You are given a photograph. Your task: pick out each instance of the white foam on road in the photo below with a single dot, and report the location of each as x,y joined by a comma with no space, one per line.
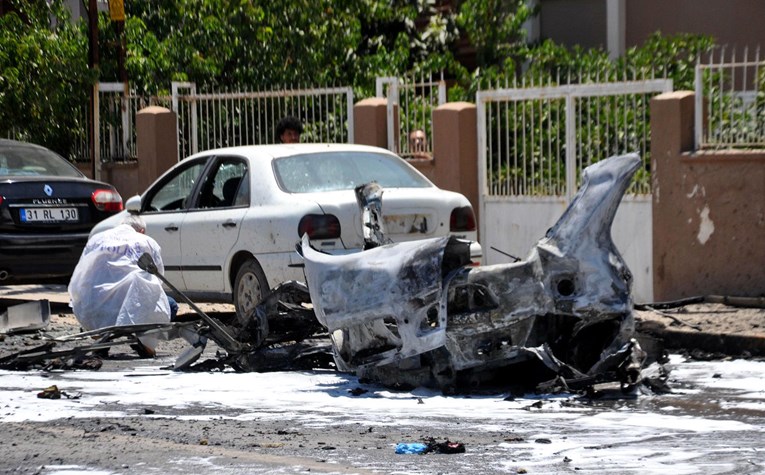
634,434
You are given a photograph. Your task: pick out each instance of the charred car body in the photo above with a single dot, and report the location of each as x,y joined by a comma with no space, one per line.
415,314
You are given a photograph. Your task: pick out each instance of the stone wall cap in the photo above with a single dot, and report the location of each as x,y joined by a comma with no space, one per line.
458,106
154,110
372,101
674,95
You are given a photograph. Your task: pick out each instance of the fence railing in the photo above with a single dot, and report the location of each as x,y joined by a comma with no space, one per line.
214,120
535,141
730,100
411,102
116,119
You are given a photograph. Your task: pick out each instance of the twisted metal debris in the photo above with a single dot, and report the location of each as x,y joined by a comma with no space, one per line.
416,314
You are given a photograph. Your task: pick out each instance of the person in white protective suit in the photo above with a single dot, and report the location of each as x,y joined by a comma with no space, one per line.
108,288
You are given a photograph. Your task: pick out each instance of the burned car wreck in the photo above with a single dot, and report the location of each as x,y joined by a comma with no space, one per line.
415,314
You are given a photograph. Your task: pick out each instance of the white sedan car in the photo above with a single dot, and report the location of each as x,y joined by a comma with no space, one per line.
228,219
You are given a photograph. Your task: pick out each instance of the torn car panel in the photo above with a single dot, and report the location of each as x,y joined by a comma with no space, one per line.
363,296
415,313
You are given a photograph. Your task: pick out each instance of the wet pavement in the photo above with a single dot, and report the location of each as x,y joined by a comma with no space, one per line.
134,416
712,422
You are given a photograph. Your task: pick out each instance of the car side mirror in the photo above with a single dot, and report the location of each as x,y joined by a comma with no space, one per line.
133,204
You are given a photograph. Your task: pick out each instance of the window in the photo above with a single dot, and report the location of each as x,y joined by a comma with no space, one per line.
223,186
173,193
331,171
20,159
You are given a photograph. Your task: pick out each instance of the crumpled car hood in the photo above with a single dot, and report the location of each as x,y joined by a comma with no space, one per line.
415,314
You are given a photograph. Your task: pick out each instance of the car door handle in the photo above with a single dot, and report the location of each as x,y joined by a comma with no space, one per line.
229,224
171,227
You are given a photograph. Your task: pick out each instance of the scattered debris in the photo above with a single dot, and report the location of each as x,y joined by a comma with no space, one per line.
282,334
411,448
446,447
25,317
52,392
674,319
276,336
430,446
48,356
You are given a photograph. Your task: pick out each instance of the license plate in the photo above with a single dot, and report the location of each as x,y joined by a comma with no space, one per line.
406,223
49,215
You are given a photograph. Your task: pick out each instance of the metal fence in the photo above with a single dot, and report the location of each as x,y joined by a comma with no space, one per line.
730,100
411,101
217,119
116,119
536,140
224,119
78,149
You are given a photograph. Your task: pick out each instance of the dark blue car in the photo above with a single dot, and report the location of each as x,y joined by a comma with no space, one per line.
47,209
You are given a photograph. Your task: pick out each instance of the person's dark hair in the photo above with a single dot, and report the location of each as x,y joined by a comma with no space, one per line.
288,123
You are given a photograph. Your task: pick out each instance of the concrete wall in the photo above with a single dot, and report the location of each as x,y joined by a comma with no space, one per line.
708,210
125,177
730,22
156,143
574,22
584,22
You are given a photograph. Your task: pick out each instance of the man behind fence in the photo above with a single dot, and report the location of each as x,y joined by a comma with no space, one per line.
418,144
288,130
108,288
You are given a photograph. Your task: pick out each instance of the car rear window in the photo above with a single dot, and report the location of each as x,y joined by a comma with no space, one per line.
24,160
331,171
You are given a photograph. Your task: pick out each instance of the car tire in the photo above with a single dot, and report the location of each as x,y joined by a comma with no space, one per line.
250,288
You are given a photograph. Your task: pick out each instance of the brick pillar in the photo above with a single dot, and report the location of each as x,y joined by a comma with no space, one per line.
671,135
455,150
369,124
708,210
156,143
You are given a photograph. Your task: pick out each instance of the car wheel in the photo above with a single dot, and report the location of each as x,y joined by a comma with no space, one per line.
250,287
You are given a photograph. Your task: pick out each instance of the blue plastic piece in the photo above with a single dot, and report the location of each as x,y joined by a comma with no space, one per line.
410,448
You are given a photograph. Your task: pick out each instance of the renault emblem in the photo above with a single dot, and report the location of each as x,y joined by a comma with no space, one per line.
48,190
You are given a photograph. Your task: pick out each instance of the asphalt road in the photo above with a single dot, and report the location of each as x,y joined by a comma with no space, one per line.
134,416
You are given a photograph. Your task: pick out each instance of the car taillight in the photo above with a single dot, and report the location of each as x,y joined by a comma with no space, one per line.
462,219
319,226
1,200
107,200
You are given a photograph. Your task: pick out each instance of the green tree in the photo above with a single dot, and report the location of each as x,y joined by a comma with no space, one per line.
495,29
45,75
243,43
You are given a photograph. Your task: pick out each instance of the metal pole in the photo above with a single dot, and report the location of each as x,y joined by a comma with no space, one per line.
93,64
570,148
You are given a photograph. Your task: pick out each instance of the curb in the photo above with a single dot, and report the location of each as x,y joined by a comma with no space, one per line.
724,343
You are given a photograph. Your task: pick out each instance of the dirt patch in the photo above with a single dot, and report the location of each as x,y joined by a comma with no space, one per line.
708,327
